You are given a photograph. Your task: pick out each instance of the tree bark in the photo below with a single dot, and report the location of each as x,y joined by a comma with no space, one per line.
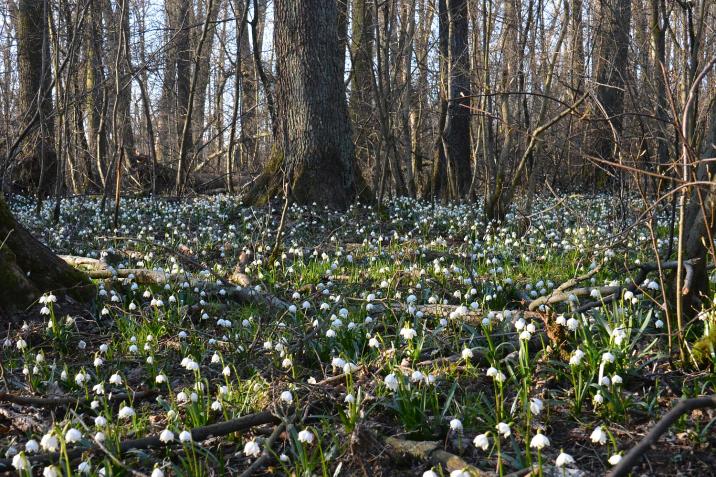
456,134
611,55
28,268
37,161
313,144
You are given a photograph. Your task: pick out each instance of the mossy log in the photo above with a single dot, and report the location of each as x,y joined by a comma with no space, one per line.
28,268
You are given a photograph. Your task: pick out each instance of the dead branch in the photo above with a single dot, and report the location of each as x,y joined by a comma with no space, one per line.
199,434
430,451
69,401
682,407
609,293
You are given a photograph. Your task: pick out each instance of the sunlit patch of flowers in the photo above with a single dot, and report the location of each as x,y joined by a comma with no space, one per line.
416,320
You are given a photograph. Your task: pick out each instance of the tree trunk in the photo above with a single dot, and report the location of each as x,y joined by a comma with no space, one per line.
361,104
611,55
456,134
28,268
313,143
37,161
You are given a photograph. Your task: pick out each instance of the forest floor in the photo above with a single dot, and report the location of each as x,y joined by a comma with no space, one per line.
399,342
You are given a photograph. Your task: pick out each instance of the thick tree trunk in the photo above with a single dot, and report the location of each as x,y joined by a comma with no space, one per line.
28,268
313,144
37,161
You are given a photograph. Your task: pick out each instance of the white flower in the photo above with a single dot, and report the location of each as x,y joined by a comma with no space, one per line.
287,397
504,429
615,459
481,442
561,320
306,436
166,436
456,425
115,379
459,473
408,333
536,406
659,324
80,378
467,353
21,344
73,435
598,436
616,379
564,459
608,357
618,334
161,378
391,382
100,437
157,472
539,441
126,413
185,436
338,362
252,449
576,358
20,462
430,473
417,376
84,468
598,399
572,324
100,421
32,446
49,442
216,406
51,471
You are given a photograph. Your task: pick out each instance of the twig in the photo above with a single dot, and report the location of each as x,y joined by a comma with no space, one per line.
682,407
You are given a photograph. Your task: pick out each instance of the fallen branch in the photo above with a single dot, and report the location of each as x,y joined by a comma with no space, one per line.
682,407
267,453
144,276
610,294
69,401
151,442
430,451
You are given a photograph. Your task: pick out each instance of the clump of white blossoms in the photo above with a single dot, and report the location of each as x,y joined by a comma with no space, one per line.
252,449
481,441
306,436
598,436
539,441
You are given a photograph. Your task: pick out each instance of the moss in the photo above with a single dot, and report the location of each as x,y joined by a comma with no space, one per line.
267,185
704,350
